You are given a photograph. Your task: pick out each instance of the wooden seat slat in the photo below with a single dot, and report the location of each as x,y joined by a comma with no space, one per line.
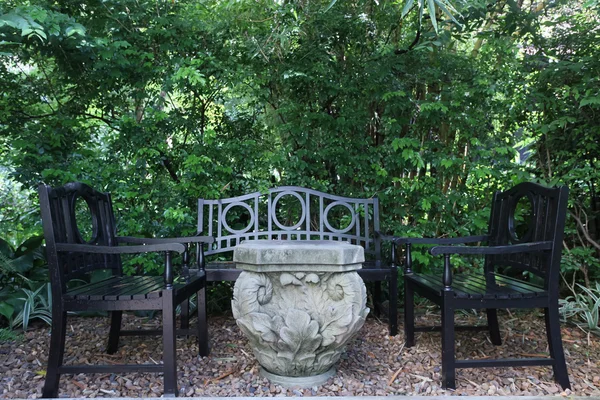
474,286
520,285
134,286
152,291
91,286
113,287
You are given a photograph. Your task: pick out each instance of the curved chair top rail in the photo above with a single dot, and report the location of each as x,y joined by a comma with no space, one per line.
59,219
542,219
314,219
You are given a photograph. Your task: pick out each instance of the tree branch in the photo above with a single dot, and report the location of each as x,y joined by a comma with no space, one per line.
412,45
585,232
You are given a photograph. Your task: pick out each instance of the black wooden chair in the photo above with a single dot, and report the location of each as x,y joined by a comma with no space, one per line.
71,257
530,244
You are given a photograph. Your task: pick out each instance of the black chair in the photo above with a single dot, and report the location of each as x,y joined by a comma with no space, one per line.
530,244
71,257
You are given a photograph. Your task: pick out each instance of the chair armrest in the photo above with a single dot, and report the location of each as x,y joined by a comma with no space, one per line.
200,260
387,238
88,248
441,241
190,239
509,249
166,247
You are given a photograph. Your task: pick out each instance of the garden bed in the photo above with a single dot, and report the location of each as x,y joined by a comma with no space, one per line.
374,364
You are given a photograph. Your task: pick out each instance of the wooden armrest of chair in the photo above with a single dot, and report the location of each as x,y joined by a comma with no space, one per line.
88,248
510,249
440,241
190,239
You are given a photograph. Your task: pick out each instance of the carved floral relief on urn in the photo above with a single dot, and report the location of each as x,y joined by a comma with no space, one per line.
299,317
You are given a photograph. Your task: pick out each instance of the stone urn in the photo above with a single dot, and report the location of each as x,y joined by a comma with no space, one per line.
299,303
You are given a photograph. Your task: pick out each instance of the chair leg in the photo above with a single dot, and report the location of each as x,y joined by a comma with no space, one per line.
57,351
448,362
203,347
393,303
377,298
556,348
115,330
185,314
494,328
169,344
409,314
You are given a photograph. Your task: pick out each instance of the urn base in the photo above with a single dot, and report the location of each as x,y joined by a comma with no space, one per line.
301,382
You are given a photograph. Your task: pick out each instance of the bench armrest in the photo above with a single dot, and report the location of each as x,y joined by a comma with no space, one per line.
509,249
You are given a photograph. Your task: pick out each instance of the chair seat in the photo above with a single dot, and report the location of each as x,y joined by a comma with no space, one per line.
118,288
474,287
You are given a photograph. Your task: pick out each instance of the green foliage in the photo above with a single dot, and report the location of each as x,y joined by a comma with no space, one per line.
163,103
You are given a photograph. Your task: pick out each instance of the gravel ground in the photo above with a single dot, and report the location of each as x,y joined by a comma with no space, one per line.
375,364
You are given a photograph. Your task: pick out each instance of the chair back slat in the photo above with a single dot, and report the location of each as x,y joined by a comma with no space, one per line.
59,218
290,213
543,220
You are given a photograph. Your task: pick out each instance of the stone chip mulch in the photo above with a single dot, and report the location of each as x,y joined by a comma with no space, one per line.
375,364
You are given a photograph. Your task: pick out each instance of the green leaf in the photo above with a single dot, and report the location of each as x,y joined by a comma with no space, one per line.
331,4
590,101
431,8
6,310
425,204
75,29
407,7
446,163
6,249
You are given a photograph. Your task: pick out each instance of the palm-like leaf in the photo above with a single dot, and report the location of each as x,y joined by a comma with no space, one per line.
447,8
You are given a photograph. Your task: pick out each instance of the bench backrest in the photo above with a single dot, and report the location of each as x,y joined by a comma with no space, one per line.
290,213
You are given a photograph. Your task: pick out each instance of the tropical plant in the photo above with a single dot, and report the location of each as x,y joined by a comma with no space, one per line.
36,305
582,307
23,279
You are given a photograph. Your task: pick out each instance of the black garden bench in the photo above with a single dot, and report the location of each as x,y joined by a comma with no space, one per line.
295,213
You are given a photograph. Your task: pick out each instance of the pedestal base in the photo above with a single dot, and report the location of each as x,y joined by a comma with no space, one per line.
298,382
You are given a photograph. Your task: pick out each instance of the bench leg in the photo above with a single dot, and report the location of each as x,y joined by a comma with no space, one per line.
448,362
57,351
203,347
555,346
169,344
494,328
114,332
409,314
